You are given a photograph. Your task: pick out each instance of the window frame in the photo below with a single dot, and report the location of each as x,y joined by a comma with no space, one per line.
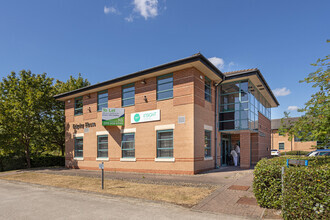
208,84
166,148
121,145
98,143
279,147
80,108
98,101
209,141
169,75
122,94
76,145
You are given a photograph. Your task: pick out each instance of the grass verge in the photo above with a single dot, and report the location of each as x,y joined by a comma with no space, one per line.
181,195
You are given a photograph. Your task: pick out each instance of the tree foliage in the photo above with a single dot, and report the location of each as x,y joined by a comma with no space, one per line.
31,120
315,123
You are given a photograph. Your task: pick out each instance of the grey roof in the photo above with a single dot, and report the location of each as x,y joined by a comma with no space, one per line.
237,72
276,123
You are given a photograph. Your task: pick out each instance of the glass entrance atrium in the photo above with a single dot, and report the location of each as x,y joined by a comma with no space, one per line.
239,104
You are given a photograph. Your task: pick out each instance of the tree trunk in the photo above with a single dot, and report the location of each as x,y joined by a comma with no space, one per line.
62,149
27,154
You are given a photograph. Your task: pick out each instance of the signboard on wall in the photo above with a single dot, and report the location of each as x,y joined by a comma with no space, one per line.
113,116
139,117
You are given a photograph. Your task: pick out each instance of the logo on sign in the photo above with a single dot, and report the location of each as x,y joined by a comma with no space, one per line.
136,117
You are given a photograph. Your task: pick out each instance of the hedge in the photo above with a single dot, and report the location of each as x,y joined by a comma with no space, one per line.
306,193
267,178
16,162
295,152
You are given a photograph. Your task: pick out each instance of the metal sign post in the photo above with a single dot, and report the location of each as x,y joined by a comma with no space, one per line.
101,166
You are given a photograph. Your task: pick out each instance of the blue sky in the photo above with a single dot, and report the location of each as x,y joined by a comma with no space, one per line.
110,38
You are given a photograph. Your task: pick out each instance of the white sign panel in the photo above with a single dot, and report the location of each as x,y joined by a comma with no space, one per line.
139,117
101,166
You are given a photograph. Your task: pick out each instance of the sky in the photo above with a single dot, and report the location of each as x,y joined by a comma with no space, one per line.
110,38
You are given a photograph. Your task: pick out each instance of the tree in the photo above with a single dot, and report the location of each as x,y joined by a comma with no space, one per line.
24,108
56,124
286,127
315,123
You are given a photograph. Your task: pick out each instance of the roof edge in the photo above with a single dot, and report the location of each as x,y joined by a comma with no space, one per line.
193,58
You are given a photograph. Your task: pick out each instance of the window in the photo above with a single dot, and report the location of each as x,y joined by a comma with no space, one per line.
165,144
207,89
78,106
207,144
78,147
102,146
165,87
102,100
281,146
128,145
128,95
280,134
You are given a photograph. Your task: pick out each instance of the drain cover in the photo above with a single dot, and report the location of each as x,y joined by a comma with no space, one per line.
247,201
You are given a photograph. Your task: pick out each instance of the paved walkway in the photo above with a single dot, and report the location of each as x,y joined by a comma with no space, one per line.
236,198
233,197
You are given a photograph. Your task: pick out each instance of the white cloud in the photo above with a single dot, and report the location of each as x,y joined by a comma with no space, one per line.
293,108
129,18
281,92
111,10
146,8
218,62
231,64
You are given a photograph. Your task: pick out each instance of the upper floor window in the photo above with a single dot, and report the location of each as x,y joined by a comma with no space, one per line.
128,145
78,106
102,100
128,95
207,89
165,87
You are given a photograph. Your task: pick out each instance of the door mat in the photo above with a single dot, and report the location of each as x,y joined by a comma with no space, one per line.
247,201
237,187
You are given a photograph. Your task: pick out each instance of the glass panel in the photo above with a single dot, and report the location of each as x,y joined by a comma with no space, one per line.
244,86
244,115
227,125
128,102
244,96
127,145
165,79
165,95
231,98
229,88
162,87
128,153
130,94
165,152
102,154
230,107
244,124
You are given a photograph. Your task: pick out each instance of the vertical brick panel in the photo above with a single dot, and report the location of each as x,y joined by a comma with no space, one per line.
245,140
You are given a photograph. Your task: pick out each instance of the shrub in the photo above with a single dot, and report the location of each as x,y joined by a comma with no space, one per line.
47,161
295,152
10,162
267,178
306,193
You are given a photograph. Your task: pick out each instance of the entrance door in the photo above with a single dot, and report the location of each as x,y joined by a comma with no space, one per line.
225,150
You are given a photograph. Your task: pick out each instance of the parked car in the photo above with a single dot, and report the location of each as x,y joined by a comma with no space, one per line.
275,153
320,152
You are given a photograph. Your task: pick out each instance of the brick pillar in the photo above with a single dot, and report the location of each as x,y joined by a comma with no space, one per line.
245,141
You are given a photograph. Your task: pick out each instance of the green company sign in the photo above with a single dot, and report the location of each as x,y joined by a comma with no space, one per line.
113,116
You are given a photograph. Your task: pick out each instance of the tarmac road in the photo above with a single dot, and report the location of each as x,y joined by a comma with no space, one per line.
29,201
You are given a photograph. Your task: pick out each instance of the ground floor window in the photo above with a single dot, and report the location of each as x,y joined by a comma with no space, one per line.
281,146
128,145
78,146
207,143
102,146
165,144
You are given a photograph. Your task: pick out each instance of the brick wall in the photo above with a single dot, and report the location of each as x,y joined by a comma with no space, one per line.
264,138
